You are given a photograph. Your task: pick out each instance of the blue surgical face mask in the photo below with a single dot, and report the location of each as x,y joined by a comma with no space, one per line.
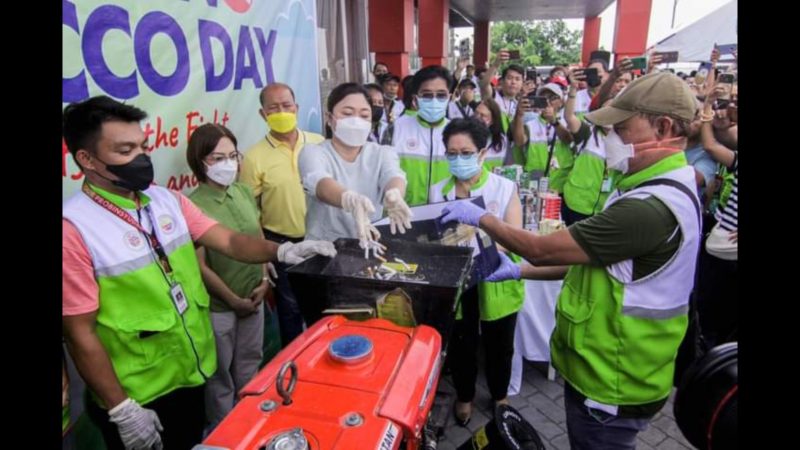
432,110
464,168
529,116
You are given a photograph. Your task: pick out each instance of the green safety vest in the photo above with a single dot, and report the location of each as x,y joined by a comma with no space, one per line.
538,154
422,156
583,190
615,338
153,349
496,299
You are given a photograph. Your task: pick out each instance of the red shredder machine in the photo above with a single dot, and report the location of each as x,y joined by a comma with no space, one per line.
355,384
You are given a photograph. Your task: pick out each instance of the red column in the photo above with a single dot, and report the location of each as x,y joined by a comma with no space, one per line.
591,38
481,44
630,32
391,32
434,22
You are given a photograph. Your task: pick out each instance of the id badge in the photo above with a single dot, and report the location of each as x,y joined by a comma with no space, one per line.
606,187
178,298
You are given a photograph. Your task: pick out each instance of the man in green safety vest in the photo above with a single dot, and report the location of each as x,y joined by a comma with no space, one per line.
134,308
622,312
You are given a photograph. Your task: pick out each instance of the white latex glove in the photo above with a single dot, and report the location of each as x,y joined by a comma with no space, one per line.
291,253
398,211
272,274
138,427
361,207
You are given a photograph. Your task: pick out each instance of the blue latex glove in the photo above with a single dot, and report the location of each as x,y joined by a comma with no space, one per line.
508,270
463,212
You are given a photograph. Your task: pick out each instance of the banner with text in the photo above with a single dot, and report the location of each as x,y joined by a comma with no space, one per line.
186,63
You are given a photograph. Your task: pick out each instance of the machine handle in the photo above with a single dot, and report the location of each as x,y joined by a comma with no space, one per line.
286,392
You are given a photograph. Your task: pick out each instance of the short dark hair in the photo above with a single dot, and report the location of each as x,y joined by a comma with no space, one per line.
470,66
515,68
374,87
471,126
83,121
388,77
602,62
379,63
465,83
343,90
202,142
408,91
428,73
261,94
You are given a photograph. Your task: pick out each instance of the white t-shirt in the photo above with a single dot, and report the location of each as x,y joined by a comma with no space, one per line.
367,175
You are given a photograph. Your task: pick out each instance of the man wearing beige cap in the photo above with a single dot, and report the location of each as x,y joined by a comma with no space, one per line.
622,312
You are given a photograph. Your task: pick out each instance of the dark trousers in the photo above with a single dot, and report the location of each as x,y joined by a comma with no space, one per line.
182,414
593,429
290,320
498,339
569,216
717,298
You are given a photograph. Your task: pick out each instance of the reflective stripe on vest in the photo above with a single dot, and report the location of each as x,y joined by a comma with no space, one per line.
422,156
616,338
153,349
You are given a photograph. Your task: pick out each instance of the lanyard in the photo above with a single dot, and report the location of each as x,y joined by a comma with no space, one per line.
124,216
507,105
550,147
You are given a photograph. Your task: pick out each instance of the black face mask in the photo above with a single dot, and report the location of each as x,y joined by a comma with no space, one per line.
377,113
135,175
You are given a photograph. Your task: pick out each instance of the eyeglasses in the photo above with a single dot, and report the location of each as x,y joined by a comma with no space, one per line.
437,96
454,156
217,158
552,98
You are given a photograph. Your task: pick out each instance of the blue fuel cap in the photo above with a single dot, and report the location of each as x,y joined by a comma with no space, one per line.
350,349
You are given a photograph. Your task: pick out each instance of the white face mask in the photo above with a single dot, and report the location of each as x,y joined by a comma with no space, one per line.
224,172
352,131
617,152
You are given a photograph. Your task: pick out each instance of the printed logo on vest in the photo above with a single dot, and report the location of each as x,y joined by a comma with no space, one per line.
133,240
167,223
411,143
494,208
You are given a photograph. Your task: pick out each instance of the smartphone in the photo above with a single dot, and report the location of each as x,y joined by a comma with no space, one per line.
726,78
702,72
639,63
513,54
727,49
722,103
592,77
530,74
537,101
668,57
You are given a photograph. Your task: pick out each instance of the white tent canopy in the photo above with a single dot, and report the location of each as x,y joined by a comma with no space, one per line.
695,41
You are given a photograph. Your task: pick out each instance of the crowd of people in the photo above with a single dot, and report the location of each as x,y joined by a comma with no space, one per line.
645,162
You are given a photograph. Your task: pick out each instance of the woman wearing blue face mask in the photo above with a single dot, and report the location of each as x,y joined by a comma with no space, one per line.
491,305
237,289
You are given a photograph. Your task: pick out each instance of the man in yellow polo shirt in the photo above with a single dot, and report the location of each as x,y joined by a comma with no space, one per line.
270,169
